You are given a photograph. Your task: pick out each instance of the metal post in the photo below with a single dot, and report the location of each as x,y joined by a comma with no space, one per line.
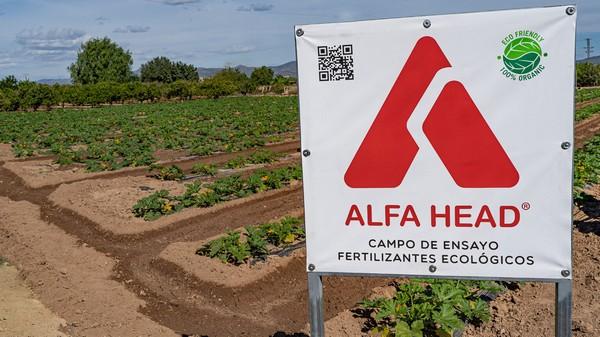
315,305
563,308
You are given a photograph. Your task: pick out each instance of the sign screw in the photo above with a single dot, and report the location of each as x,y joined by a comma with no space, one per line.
570,10
565,273
432,268
299,32
426,23
565,145
306,153
311,267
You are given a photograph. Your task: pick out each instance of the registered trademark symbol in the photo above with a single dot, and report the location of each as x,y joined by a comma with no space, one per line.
525,206
545,54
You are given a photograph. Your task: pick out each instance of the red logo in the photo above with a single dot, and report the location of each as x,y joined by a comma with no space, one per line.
455,128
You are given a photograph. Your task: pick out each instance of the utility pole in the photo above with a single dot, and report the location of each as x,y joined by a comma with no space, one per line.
588,47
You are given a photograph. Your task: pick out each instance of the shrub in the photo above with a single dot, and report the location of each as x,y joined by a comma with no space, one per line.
588,74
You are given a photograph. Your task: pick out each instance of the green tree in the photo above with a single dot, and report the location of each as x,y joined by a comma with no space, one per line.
161,69
9,100
215,88
33,95
232,75
101,60
226,82
187,72
588,74
9,82
262,76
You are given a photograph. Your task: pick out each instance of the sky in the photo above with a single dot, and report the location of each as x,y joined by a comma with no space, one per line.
40,38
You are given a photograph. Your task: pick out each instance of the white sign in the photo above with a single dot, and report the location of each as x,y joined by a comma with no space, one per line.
439,145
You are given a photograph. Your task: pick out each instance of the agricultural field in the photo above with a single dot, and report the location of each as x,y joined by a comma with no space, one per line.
191,214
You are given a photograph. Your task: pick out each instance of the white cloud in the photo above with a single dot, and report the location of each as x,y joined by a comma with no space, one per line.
51,40
176,2
101,20
53,45
256,8
235,50
132,29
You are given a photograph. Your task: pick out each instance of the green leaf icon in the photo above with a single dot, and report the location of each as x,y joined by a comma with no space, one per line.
522,55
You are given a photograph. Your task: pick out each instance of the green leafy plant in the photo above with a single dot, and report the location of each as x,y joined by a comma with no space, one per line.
586,94
588,111
205,169
252,242
172,172
284,232
586,167
154,206
230,249
429,308
258,157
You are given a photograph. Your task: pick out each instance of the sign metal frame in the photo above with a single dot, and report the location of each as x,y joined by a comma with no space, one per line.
563,287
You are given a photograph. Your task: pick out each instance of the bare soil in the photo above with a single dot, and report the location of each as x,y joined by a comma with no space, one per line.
273,305
43,172
70,278
586,129
21,314
6,152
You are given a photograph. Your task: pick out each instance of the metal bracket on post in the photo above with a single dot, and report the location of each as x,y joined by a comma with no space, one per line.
563,309
315,305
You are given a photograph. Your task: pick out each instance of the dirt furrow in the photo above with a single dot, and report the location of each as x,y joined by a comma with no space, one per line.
177,300
584,104
586,129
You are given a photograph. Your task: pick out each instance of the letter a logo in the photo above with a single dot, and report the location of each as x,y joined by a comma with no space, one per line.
455,128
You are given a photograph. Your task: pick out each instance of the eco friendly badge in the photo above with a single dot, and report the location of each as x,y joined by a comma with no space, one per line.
522,55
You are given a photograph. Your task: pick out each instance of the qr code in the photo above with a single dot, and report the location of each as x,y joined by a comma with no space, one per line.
336,62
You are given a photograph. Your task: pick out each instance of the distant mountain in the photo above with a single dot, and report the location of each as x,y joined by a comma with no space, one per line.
593,59
286,69
54,81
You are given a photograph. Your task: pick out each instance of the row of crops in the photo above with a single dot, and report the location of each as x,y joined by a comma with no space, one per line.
586,94
199,194
111,138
